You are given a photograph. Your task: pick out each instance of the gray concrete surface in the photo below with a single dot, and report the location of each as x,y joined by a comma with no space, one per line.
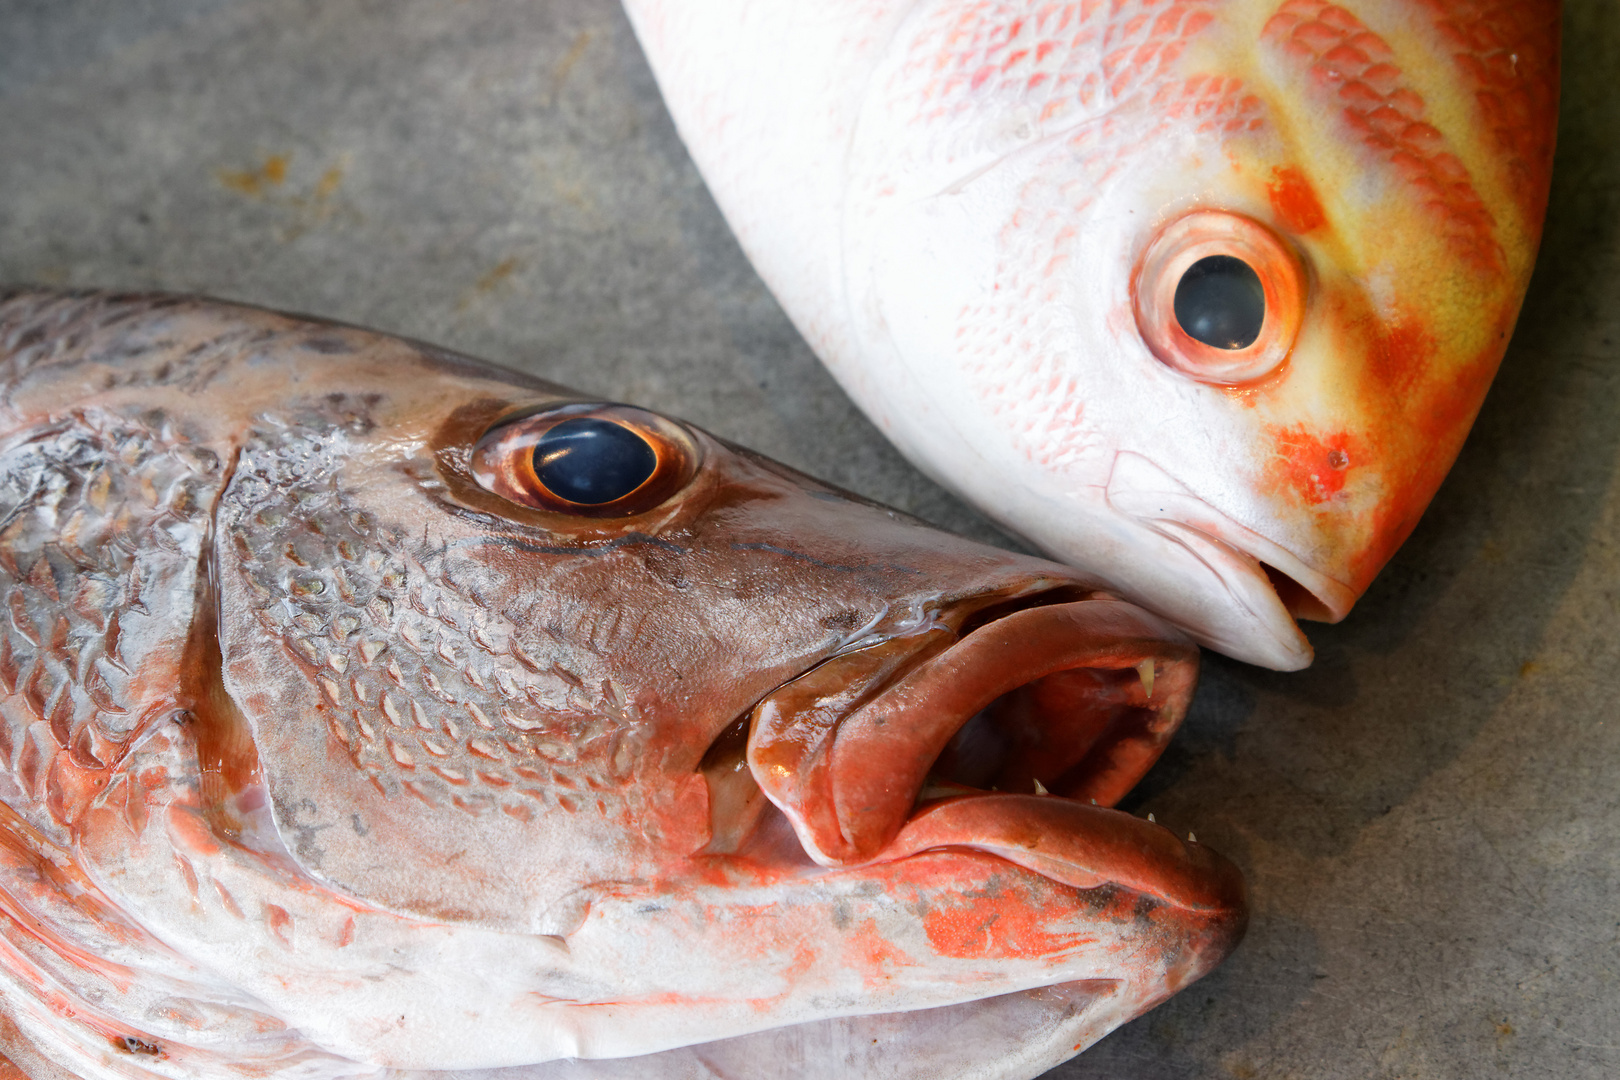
1429,818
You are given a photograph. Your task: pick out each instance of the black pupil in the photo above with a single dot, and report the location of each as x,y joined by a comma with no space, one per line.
591,461
1221,302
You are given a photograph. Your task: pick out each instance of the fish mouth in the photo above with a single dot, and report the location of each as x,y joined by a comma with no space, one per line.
1010,733
1270,587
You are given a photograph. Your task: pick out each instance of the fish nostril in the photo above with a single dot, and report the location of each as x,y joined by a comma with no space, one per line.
1299,601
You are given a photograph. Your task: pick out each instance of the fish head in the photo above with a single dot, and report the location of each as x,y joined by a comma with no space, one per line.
1201,298
514,724
574,670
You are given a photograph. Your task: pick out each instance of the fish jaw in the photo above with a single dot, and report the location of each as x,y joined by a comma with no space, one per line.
864,757
1249,575
1013,1035
1081,893
849,942
869,822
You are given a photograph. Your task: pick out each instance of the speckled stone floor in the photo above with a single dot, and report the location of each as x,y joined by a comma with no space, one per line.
1429,818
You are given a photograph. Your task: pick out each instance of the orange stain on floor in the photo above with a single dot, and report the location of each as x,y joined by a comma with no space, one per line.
254,183
566,65
488,282
497,274
328,183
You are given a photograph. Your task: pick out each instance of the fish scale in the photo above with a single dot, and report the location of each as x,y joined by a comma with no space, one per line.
415,722
98,610
60,333
1503,46
1350,67
1111,94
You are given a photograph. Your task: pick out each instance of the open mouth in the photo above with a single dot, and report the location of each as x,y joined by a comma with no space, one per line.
1269,585
1010,729
1143,490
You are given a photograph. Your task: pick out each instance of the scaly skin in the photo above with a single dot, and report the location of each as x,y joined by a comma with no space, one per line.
323,755
958,201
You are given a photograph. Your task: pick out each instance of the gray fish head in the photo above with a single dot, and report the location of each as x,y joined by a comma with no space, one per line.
506,724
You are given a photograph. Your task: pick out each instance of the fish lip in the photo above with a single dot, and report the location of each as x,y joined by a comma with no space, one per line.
1245,563
1081,845
1064,676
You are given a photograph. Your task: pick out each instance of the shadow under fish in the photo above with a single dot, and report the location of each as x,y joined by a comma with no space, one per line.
366,710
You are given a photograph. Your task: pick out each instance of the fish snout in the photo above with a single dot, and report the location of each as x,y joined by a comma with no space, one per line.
1236,589
977,762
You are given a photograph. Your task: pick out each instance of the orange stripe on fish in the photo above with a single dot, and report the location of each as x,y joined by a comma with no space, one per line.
1351,68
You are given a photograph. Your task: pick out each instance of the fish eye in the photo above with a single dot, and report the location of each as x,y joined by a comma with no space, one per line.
1220,301
589,460
1219,297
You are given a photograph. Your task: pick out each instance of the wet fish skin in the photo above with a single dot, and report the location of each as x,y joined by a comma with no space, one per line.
318,759
978,213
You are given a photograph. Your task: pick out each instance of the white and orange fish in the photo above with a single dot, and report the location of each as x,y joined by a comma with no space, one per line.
369,712
1201,296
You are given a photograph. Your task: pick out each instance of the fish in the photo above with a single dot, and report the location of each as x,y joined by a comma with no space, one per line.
1198,296
370,711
